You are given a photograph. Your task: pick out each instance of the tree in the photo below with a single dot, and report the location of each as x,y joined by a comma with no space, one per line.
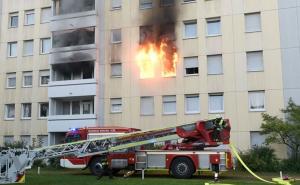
284,131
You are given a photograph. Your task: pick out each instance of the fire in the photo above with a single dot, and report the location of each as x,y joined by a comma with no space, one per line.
150,56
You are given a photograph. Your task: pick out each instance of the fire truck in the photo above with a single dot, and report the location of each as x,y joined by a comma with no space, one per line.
194,150
86,134
181,159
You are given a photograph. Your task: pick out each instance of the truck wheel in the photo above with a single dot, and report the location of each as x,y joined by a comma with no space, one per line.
182,168
96,167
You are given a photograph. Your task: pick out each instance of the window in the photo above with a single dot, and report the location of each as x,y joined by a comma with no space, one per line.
191,65
8,139
116,4
87,107
255,61
116,36
146,34
116,105
10,111
13,20
42,140
45,45
25,139
167,2
169,104
26,110
256,139
12,49
216,103
43,110
190,29
44,77
213,26
253,22
192,104
75,107
147,106
27,79
145,4
116,70
45,15
257,101
11,80
28,47
29,17
214,65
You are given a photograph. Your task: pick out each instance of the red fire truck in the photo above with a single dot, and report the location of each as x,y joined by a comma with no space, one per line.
86,134
194,149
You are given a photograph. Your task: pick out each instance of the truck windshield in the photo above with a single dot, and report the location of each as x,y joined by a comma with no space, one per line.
72,138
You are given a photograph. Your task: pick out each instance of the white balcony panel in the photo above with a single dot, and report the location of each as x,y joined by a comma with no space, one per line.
72,88
63,123
73,21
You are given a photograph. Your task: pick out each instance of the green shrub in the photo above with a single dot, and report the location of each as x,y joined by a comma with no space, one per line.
40,163
16,144
261,159
54,162
290,165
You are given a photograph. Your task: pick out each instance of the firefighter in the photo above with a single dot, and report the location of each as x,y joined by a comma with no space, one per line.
106,169
219,124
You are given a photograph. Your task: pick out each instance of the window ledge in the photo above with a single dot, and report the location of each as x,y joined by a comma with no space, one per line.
116,112
216,112
116,8
42,85
258,110
169,114
27,86
253,31
189,38
255,71
28,24
29,55
116,77
12,56
45,53
116,42
10,87
43,118
9,119
146,115
26,118
191,113
188,2
215,74
191,75
212,36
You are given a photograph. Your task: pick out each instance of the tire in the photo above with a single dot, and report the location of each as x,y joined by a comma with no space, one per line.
96,167
182,168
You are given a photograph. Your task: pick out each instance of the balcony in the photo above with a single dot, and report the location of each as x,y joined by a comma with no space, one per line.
66,113
72,80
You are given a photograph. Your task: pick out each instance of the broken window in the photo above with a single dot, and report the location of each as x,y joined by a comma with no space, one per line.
74,71
73,6
146,34
81,36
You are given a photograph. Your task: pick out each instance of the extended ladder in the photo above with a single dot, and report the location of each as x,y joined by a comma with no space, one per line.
13,163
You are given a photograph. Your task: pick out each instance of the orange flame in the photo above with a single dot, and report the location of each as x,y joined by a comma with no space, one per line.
150,55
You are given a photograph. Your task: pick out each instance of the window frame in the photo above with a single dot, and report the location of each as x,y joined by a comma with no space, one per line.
22,111
262,60
42,46
30,54
260,22
111,68
115,7
161,3
222,66
249,101
40,77
210,111
185,68
186,96
39,112
153,106
7,80
164,101
10,16
23,79
26,14
6,118
41,17
141,7
113,31
9,49
112,104
213,20
190,22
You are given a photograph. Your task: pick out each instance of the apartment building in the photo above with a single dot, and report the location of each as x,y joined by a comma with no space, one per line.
24,74
234,58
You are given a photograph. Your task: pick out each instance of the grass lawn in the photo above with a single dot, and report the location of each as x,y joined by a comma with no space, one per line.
78,177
